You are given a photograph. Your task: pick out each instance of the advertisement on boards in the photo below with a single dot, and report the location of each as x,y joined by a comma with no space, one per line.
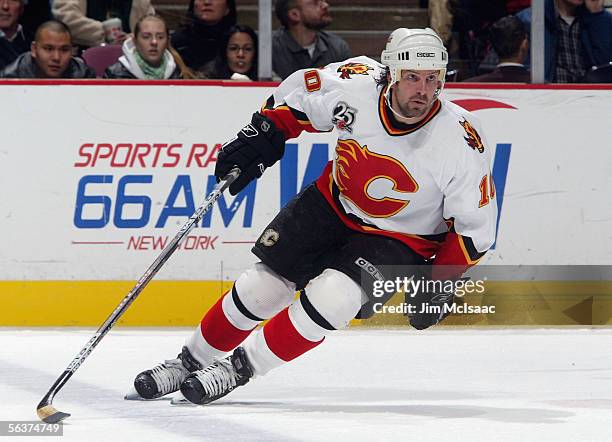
97,180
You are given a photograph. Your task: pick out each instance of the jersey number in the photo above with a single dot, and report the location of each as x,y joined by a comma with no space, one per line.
487,190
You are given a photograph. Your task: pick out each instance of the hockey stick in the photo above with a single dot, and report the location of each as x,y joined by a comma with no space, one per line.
45,409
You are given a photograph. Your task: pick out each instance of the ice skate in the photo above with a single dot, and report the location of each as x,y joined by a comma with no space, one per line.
164,378
178,400
218,379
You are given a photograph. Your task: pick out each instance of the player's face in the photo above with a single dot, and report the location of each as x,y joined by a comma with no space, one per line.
10,11
240,52
152,41
414,93
315,14
52,52
210,12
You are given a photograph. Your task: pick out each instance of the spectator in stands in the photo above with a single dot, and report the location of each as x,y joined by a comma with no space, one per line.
238,58
472,21
84,18
7,53
49,57
514,6
13,39
301,42
35,13
577,36
440,18
146,55
200,39
510,42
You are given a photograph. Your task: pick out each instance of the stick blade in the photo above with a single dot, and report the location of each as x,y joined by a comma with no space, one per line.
51,415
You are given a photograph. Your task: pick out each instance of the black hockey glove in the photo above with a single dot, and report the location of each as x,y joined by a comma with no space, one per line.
436,307
430,308
257,146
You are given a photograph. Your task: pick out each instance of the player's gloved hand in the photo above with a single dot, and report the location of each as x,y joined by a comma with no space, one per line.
437,306
257,146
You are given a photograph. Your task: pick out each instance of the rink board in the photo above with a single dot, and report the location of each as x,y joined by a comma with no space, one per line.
96,178
183,303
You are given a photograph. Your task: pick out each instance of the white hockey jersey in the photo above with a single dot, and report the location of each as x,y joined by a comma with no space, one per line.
428,185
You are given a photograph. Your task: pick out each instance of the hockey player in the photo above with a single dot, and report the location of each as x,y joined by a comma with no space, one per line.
410,184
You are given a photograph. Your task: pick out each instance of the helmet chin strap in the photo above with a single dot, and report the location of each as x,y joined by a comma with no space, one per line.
403,117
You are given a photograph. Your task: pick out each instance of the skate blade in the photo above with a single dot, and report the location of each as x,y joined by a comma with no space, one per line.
133,395
179,401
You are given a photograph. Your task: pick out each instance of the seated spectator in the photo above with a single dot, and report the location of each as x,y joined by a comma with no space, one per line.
13,39
7,53
577,36
200,39
510,42
301,42
146,55
84,18
238,60
49,57
440,18
472,20
514,6
35,13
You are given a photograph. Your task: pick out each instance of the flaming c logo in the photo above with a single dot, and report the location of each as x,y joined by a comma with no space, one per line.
473,139
346,70
357,168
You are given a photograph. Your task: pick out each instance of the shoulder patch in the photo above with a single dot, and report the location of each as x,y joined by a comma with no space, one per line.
346,70
344,116
312,80
472,138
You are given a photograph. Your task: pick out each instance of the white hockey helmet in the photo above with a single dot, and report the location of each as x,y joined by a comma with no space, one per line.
414,49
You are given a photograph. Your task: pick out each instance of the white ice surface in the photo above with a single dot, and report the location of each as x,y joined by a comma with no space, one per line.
370,385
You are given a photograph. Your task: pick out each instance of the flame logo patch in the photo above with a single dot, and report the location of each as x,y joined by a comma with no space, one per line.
473,139
346,70
357,167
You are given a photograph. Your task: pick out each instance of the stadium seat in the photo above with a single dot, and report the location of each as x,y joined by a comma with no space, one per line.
101,57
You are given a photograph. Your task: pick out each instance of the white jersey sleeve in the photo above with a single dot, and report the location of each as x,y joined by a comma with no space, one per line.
310,95
469,197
